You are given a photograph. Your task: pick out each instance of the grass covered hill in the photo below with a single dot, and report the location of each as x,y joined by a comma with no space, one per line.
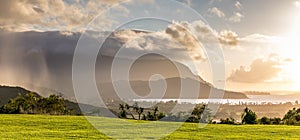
7,93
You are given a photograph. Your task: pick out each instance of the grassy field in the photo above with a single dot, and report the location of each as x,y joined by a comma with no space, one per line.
77,127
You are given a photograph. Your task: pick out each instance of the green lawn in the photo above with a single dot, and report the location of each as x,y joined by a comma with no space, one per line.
77,127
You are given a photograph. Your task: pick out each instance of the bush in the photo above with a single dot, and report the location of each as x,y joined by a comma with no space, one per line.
161,115
193,119
275,120
227,121
264,120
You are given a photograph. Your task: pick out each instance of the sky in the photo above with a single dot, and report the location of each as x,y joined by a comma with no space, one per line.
259,39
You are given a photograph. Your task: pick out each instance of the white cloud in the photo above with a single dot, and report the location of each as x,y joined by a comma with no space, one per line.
216,12
228,37
236,17
238,5
187,2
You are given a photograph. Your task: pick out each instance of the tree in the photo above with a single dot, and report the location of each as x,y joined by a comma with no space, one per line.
292,117
155,113
30,104
265,120
55,105
138,109
297,117
122,113
150,116
14,106
200,114
128,109
289,114
153,116
249,117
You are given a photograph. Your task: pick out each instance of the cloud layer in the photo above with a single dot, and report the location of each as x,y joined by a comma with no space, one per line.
261,70
55,14
179,37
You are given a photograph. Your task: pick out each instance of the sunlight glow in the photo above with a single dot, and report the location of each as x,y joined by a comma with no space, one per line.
291,49
297,3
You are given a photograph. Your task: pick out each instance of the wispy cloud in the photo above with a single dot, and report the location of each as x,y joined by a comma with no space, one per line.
236,17
187,2
238,5
216,12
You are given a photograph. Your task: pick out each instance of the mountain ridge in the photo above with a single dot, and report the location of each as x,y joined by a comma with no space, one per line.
44,59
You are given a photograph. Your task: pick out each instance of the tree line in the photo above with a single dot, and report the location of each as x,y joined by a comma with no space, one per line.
55,105
139,113
31,104
199,114
292,117
202,114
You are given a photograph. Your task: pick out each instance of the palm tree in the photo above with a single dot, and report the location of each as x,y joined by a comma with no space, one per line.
138,109
130,112
155,113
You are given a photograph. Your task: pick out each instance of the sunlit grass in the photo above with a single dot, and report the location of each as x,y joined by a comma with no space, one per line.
77,127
